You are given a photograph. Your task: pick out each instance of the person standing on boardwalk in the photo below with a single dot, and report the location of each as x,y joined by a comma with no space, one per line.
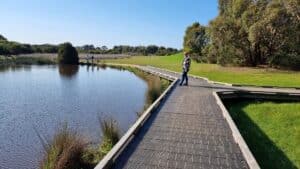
185,68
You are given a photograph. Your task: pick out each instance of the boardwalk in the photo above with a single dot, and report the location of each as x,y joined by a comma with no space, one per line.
188,130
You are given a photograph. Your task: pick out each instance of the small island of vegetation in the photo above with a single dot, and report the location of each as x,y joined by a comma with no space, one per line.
67,54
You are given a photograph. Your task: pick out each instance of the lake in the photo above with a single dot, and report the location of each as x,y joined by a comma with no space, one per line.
39,99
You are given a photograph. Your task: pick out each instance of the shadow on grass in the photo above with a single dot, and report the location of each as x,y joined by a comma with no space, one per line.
267,154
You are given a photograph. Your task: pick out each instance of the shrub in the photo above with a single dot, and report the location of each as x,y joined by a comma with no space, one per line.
69,150
67,54
110,130
110,137
64,151
155,89
2,38
283,60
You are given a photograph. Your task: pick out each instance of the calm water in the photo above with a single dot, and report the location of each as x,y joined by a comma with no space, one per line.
44,97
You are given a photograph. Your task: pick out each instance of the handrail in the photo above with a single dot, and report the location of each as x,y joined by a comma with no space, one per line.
251,161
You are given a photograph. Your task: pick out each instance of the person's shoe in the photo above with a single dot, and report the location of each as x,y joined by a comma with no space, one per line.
186,84
180,84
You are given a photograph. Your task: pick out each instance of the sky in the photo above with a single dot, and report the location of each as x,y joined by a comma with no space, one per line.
103,22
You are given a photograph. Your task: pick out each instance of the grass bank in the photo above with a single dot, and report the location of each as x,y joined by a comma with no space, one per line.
235,75
18,60
271,130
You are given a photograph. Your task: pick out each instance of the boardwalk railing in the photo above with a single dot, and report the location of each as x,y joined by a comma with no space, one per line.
108,160
251,161
233,92
259,95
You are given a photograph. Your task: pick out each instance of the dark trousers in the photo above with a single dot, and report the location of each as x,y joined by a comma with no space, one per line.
184,78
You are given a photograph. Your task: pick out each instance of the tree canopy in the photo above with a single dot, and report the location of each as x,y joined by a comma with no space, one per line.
253,32
2,38
14,48
67,54
195,40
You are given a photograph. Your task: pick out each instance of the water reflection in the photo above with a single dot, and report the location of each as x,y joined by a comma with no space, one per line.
102,66
27,68
45,96
68,71
4,68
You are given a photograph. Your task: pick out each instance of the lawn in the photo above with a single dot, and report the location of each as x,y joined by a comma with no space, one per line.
235,75
271,130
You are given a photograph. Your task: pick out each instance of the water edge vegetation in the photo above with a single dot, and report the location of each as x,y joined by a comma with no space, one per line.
70,150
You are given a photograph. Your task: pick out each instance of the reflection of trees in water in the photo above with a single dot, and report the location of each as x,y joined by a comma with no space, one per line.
95,67
27,68
102,66
89,67
14,68
4,68
68,71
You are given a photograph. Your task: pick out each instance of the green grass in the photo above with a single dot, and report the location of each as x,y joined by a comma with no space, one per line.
235,75
271,130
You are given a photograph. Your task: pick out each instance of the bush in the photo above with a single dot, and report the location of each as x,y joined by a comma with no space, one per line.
110,130
69,150
154,90
2,38
65,151
67,54
283,60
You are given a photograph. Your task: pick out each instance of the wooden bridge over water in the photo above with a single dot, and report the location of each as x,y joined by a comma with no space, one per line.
188,127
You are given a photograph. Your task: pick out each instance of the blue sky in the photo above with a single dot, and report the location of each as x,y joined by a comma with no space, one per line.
103,22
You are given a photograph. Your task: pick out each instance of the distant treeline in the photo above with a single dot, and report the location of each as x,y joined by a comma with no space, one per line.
15,48
132,50
249,33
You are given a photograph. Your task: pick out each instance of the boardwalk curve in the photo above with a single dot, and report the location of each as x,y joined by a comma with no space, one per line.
189,129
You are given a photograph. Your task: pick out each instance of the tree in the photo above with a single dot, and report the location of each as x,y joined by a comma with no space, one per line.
223,6
2,38
195,40
88,47
151,50
67,54
104,48
253,32
3,50
281,39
